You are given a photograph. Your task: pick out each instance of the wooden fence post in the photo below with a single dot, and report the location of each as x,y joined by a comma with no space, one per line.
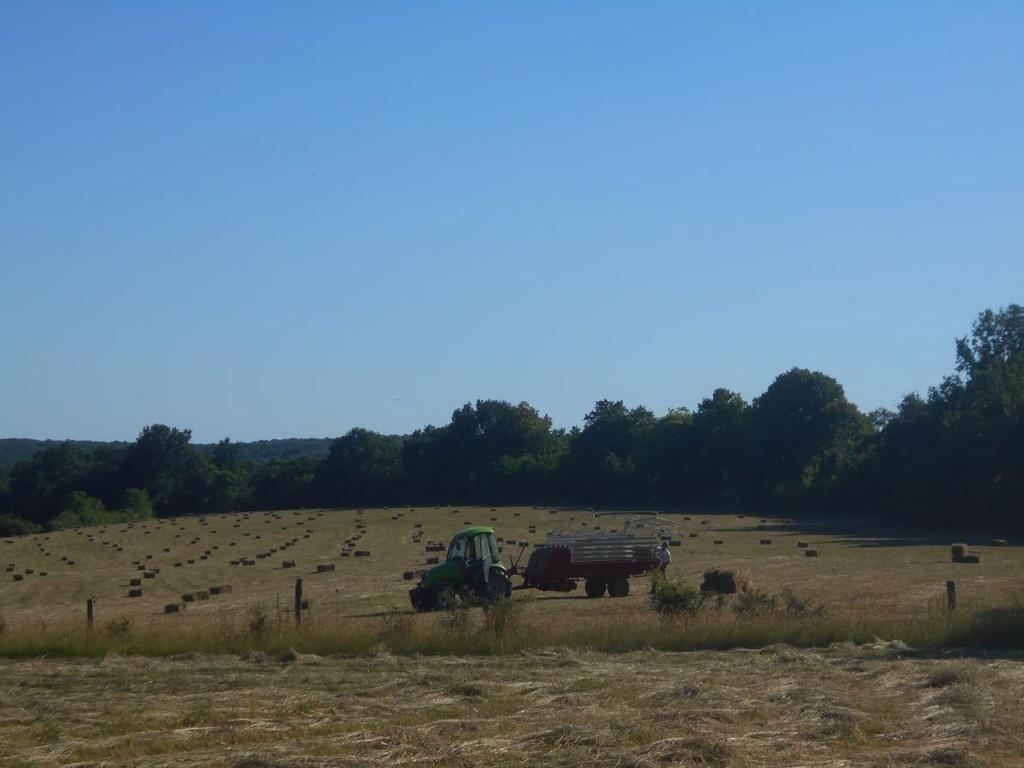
298,602
951,595
88,613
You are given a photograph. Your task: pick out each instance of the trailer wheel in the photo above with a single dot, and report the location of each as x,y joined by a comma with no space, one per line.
595,587
618,587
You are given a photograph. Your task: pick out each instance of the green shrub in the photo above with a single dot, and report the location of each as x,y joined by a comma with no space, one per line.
16,526
673,599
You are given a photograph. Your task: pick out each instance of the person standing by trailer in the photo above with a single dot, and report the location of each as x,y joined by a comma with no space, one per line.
664,556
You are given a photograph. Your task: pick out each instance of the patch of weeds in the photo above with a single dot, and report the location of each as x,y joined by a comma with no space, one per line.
503,616
469,691
952,675
259,622
398,625
752,602
801,608
119,627
456,619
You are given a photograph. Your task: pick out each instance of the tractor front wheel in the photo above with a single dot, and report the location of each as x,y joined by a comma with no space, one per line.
498,587
595,588
618,587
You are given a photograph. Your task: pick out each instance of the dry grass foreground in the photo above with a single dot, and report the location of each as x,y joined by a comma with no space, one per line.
846,706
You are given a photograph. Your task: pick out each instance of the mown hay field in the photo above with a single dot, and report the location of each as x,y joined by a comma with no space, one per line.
871,706
860,568
876,672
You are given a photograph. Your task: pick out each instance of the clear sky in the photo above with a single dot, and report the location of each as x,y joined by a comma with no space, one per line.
269,220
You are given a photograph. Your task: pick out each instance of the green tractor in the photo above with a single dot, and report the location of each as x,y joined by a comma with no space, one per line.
472,570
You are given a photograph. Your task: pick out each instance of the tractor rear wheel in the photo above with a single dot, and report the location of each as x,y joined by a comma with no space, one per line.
618,587
595,587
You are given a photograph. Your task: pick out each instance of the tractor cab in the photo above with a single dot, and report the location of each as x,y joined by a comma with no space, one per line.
474,546
473,566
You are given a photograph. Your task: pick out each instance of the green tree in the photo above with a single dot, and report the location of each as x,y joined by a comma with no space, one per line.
135,504
177,477
803,434
362,468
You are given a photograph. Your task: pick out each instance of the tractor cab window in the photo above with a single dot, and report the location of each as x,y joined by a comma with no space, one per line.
457,551
486,545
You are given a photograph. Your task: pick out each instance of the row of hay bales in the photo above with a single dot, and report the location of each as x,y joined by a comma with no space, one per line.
198,595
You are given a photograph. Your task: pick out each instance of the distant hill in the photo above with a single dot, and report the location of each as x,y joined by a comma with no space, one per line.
262,451
15,449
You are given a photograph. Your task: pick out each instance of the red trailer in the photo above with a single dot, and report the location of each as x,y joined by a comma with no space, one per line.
603,561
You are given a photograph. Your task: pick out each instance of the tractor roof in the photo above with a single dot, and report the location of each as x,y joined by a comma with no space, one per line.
476,530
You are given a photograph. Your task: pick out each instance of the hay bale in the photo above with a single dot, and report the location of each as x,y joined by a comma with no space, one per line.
202,595
408,575
134,582
693,535
432,561
971,557
957,551
675,542
188,597
134,593
802,544
1000,543
724,582
718,541
171,608
810,553
766,541
325,567
19,577
149,575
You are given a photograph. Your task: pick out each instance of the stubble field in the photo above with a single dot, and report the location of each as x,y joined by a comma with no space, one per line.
366,682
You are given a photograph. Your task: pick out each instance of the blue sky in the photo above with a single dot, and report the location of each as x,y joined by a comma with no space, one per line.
267,220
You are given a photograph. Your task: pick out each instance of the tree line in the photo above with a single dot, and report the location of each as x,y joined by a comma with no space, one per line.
952,458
